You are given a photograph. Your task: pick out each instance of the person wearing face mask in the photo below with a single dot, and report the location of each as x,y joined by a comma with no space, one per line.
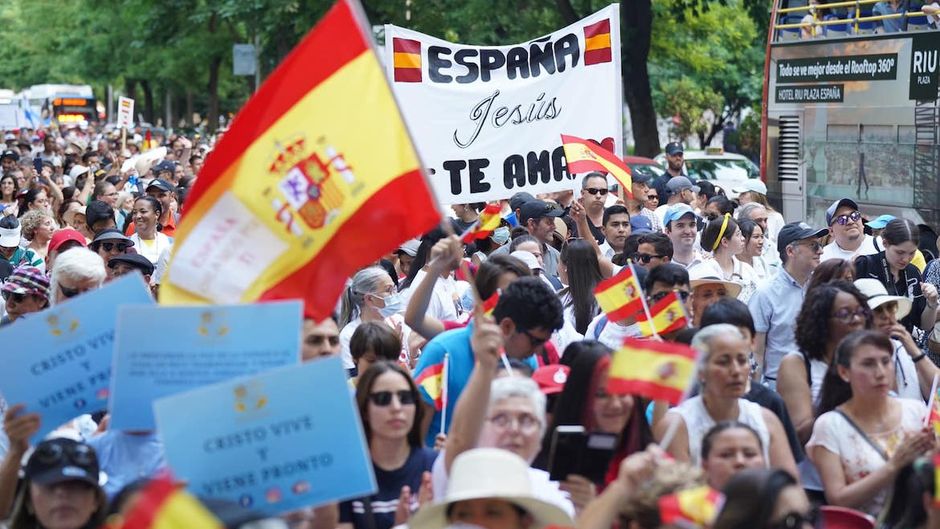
481,250
371,296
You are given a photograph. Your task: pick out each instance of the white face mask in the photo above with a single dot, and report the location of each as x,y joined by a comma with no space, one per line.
500,235
393,304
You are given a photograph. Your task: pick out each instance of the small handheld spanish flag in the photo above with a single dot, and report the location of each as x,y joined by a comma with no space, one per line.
490,304
667,315
432,380
584,156
655,370
620,296
164,505
695,507
489,220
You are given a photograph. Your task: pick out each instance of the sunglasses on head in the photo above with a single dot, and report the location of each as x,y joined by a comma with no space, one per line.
842,220
69,292
108,246
596,191
384,398
316,339
77,454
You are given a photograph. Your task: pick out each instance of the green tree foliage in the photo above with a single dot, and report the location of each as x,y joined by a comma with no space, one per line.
706,66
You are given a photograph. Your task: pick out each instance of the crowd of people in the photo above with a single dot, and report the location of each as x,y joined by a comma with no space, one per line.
815,351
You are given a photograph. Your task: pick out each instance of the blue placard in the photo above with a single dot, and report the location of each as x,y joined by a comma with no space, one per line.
58,362
160,351
274,442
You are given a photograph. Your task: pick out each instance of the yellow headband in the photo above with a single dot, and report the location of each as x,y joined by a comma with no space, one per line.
721,232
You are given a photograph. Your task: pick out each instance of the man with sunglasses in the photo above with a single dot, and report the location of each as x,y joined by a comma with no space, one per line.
653,249
24,292
593,197
110,243
848,235
527,314
776,304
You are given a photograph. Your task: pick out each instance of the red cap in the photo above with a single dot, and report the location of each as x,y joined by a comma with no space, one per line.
551,378
64,235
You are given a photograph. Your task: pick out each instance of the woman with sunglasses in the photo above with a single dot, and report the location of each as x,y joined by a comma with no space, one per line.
724,375
725,241
829,313
754,249
387,399
75,272
148,241
765,499
60,480
892,267
864,436
110,243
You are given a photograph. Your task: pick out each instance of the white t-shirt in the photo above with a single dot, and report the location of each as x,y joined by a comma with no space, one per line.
859,459
833,251
612,333
444,298
345,335
542,487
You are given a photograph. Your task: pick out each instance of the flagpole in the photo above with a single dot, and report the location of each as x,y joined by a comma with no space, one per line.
646,309
448,229
444,373
930,402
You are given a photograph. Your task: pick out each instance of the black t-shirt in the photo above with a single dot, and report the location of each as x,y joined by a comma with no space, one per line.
598,233
908,284
385,501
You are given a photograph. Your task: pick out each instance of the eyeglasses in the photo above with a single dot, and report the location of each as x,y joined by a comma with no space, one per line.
384,398
814,246
70,292
842,220
645,258
108,246
596,191
14,297
526,422
846,315
317,339
796,520
54,453
655,298
536,341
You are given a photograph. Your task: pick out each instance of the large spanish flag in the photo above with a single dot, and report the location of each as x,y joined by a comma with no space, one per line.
620,296
316,178
583,156
651,369
163,505
667,315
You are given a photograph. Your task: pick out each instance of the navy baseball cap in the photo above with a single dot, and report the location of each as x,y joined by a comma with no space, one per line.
831,212
797,231
641,224
673,148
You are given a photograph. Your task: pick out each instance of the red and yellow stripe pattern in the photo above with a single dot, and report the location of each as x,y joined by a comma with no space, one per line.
583,156
695,507
489,220
655,370
620,296
352,190
667,315
164,505
407,60
431,379
490,304
597,43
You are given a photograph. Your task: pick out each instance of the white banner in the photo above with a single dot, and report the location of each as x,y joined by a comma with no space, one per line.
487,120
125,113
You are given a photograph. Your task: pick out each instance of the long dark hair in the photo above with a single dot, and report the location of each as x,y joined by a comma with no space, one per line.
584,273
16,186
905,508
828,271
750,498
428,240
575,403
28,197
364,388
812,324
899,231
712,229
836,391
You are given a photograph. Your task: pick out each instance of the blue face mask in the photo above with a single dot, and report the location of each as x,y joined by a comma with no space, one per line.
500,235
393,305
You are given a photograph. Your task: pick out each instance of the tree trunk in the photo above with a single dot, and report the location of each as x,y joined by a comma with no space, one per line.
636,25
215,64
189,107
148,101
